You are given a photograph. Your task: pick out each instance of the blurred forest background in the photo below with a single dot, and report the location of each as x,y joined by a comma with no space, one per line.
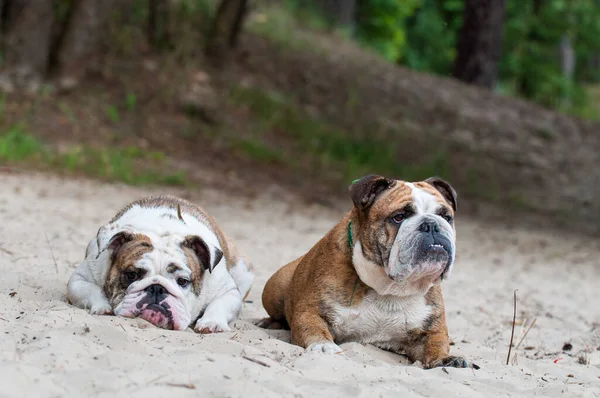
501,97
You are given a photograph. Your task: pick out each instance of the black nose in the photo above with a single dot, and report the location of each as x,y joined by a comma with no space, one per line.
429,226
158,292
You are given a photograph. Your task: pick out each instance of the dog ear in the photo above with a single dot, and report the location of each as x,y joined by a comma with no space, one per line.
208,255
445,189
365,190
117,241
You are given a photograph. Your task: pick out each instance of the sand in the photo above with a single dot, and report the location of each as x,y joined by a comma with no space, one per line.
50,349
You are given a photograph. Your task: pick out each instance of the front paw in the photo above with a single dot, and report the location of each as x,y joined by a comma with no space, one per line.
101,309
327,347
451,362
207,326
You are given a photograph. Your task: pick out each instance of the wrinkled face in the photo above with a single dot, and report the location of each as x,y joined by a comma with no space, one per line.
408,229
156,279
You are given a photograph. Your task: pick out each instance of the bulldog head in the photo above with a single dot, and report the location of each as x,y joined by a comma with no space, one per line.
405,229
158,278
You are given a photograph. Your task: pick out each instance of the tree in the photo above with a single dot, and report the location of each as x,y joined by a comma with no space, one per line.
479,43
31,46
26,41
80,39
226,29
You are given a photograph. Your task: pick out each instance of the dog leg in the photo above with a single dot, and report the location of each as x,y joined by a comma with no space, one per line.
434,349
310,331
220,312
87,295
436,352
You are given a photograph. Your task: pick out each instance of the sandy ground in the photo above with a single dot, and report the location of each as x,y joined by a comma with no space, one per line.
50,349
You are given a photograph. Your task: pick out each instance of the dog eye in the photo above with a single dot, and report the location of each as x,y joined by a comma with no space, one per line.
448,218
398,218
182,282
131,276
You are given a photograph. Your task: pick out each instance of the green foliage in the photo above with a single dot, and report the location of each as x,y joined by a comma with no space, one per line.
531,64
118,164
422,34
130,102
112,113
130,165
16,145
324,145
381,25
431,34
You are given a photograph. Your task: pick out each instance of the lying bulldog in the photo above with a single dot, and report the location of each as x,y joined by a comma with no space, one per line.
165,260
375,277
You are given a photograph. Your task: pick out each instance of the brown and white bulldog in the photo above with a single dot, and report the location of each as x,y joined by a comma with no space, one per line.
375,277
165,260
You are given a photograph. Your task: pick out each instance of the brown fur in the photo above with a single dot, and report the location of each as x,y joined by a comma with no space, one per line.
303,292
124,260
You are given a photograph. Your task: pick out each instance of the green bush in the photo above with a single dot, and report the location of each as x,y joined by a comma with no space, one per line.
431,34
381,25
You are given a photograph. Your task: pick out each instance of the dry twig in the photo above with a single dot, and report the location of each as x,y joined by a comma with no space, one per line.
258,361
512,333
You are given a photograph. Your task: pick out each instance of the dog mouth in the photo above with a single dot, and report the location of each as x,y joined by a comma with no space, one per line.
437,246
159,315
435,252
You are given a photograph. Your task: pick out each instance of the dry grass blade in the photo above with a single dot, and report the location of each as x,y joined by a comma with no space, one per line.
52,252
512,333
525,334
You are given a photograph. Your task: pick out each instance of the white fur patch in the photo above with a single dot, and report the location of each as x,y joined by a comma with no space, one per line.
242,276
380,320
377,279
326,347
423,201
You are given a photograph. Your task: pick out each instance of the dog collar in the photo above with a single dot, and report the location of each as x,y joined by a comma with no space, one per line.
351,245
350,242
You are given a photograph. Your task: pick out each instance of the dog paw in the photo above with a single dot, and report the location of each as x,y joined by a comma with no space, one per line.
101,309
452,362
270,323
326,347
206,326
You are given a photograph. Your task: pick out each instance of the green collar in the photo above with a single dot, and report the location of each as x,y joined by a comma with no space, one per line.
351,245
350,241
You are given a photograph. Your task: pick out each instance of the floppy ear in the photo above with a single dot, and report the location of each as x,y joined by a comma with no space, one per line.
445,189
117,241
365,190
208,255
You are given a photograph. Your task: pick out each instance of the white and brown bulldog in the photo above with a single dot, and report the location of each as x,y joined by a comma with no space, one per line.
165,260
375,277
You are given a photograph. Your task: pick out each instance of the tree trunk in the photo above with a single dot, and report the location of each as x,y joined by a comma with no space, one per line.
2,14
479,43
158,23
27,39
226,29
79,43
